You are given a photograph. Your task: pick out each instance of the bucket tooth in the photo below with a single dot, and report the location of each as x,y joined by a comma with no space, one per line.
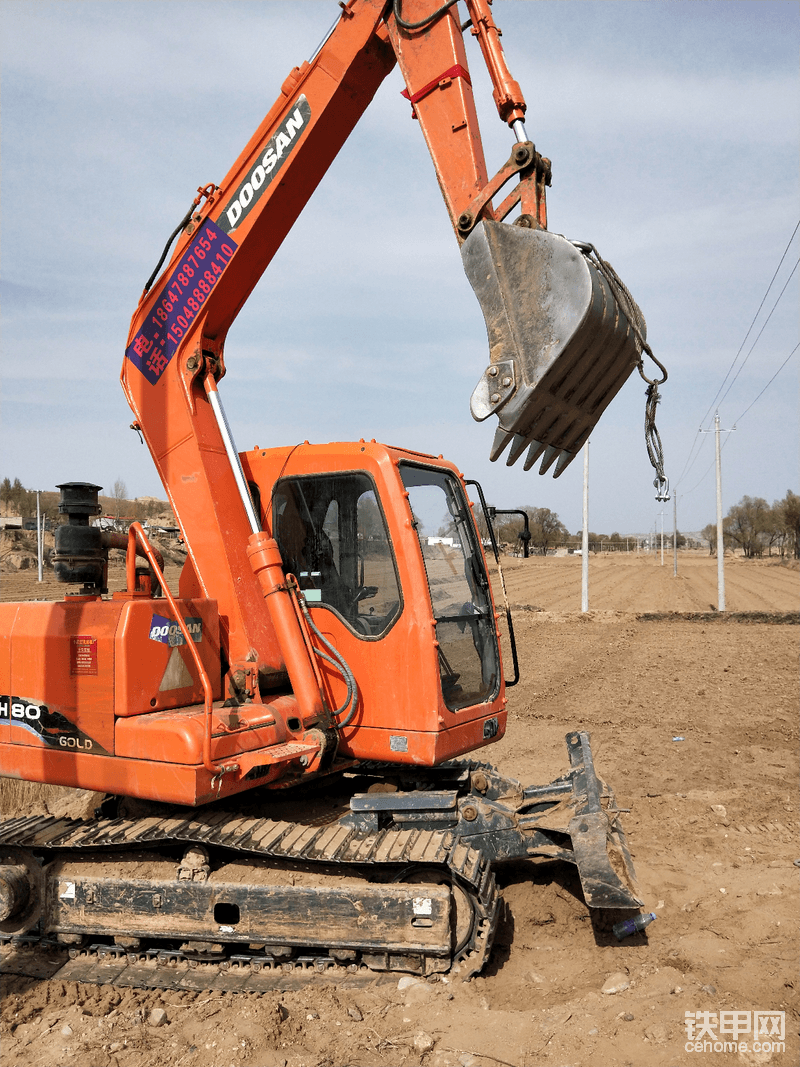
518,446
501,439
564,461
549,459
534,452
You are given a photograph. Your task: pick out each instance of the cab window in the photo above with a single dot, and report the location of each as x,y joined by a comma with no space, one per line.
333,538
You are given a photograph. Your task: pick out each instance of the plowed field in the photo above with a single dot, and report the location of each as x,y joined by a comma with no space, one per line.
693,719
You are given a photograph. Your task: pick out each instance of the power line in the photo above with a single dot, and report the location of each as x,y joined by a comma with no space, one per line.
708,469
692,457
752,324
769,383
688,465
739,371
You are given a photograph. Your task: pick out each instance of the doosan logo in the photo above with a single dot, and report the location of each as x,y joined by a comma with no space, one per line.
169,633
270,160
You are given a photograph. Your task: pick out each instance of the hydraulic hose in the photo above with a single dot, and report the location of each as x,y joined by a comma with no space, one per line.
336,660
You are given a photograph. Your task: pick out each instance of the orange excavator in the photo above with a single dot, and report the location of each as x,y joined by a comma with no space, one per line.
278,744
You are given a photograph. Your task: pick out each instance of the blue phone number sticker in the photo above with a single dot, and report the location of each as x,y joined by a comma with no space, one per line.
180,299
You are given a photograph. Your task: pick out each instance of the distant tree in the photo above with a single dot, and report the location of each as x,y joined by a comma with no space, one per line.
120,494
22,500
710,534
597,541
547,530
149,508
772,534
617,543
480,522
508,531
788,517
748,523
370,521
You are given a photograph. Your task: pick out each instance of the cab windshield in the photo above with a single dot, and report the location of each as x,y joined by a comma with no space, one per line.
469,660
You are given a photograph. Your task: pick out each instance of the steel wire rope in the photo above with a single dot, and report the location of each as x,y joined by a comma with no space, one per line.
636,320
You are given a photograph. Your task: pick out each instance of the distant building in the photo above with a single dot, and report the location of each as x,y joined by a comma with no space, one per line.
168,533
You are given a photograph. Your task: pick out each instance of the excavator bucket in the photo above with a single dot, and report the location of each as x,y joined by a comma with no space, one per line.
560,345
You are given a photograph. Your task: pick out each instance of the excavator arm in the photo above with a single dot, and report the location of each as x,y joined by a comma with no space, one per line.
551,372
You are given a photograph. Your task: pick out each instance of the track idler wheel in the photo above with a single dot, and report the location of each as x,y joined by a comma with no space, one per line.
21,891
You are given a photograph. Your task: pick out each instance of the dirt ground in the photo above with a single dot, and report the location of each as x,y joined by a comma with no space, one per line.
694,722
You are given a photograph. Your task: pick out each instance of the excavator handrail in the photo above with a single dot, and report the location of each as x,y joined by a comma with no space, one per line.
136,533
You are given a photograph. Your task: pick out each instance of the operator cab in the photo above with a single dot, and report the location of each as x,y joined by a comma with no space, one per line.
383,544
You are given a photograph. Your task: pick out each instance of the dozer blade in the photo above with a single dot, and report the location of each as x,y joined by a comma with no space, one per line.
560,346
601,852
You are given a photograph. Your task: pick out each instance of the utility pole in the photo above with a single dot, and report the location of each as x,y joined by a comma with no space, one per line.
585,539
662,536
39,535
720,537
674,534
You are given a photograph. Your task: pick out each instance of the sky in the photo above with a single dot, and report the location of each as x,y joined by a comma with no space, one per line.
673,130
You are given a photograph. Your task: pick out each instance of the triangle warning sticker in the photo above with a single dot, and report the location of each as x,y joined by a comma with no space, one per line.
176,676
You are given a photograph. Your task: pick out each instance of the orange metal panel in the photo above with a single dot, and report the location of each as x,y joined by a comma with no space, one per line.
8,612
177,736
165,782
72,665
62,662
400,745
154,669
446,114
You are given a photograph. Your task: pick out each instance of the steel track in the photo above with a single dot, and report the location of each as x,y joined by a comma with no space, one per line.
331,845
